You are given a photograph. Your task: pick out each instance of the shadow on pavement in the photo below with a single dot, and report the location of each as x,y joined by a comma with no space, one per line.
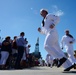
36,68
69,72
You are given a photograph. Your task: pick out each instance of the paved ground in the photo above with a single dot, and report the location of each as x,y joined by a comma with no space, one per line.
38,71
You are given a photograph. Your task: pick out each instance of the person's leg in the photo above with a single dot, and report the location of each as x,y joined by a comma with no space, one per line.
70,52
49,46
51,63
24,56
4,57
19,56
68,62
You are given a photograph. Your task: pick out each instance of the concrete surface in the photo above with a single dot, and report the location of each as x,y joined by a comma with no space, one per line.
38,71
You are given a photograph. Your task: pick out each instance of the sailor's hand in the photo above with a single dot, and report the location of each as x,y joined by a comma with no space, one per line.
70,42
62,48
52,26
39,29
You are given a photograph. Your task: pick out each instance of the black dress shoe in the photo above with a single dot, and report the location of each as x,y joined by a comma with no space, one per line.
61,61
69,68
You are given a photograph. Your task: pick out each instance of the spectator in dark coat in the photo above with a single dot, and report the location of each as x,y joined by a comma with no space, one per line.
6,50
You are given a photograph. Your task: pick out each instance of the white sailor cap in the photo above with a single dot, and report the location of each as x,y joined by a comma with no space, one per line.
43,10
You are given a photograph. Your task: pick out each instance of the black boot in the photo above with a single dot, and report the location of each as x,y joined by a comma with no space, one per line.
69,68
61,61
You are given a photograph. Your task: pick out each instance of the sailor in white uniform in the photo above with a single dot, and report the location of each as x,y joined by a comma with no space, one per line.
49,60
67,42
51,44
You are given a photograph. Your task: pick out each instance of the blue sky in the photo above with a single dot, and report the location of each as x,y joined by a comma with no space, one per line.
24,15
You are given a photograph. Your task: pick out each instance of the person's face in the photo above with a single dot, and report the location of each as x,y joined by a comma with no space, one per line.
23,35
67,32
43,14
8,39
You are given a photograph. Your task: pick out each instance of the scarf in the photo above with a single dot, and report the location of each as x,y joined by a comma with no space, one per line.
69,35
43,22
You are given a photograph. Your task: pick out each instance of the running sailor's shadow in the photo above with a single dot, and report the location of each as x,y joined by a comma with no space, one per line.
35,68
69,72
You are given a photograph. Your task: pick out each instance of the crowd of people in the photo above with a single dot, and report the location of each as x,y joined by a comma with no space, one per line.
15,54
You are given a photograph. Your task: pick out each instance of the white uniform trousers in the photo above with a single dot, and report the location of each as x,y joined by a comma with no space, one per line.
70,52
51,44
51,61
4,57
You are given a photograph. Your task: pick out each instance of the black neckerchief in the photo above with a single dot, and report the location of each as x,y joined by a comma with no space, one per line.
69,35
43,22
